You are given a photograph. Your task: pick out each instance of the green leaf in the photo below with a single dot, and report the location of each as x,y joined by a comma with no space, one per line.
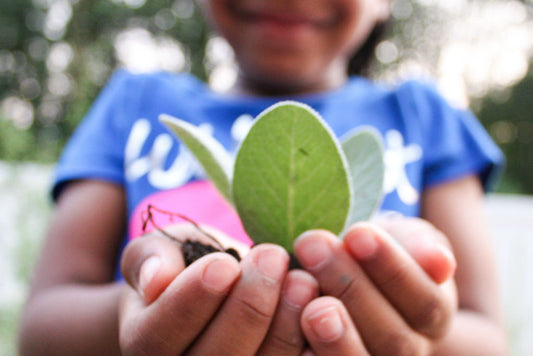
364,152
215,160
290,176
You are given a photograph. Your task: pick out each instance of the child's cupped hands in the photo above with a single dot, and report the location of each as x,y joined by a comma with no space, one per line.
384,295
216,306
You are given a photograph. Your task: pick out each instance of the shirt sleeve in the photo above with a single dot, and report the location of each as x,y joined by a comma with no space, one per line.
96,149
455,144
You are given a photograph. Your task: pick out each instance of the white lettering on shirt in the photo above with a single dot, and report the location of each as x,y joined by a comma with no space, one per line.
397,156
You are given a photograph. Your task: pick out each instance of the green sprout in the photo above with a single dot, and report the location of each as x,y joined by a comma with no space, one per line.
291,174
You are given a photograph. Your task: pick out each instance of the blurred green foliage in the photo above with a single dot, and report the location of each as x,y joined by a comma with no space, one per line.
55,55
30,31
510,122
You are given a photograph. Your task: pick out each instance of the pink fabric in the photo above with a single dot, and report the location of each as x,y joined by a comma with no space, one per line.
198,201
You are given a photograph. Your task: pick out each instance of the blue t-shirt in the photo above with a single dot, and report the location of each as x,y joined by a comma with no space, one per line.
427,142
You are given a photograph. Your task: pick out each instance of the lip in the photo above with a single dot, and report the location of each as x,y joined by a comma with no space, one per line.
281,17
285,19
280,28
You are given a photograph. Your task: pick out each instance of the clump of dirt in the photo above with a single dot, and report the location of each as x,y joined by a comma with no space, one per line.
191,249
294,263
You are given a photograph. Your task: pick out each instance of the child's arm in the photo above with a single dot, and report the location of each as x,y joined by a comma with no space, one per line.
72,308
457,210
394,307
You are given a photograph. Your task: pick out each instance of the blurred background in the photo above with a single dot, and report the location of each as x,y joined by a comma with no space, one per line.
55,55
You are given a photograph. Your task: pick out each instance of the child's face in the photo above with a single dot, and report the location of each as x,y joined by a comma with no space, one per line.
294,46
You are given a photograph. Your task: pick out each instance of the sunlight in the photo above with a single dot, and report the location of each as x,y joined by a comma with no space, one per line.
487,49
139,51
57,18
18,111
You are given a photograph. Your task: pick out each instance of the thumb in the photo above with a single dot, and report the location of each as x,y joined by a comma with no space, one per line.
150,263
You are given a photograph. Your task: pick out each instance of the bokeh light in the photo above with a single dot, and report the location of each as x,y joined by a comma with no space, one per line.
471,47
140,51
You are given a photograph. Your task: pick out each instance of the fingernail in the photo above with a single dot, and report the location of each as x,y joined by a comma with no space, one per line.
312,251
445,250
148,270
271,263
448,254
299,289
220,274
327,324
363,244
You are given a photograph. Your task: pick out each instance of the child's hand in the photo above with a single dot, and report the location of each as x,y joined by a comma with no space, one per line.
383,299
216,306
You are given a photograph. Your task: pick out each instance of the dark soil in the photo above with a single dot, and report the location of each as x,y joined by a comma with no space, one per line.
193,250
294,263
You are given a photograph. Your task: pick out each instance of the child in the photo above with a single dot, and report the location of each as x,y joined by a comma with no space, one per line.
389,288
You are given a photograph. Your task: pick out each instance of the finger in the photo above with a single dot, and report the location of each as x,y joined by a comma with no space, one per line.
426,244
421,302
380,326
243,320
173,321
150,263
329,329
285,336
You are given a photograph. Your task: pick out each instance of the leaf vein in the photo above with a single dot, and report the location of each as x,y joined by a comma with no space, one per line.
318,198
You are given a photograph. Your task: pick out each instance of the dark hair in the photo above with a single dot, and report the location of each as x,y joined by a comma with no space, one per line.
360,63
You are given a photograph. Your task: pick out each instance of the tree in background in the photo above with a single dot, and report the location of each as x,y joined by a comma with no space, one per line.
55,55
509,118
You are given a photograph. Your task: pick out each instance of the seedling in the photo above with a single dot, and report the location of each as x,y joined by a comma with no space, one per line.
291,174
191,249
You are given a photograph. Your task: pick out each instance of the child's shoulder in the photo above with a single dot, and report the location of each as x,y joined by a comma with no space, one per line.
421,90
130,77
421,98
410,89
153,82
413,91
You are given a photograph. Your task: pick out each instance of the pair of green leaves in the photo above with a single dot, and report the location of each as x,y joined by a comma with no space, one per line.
291,173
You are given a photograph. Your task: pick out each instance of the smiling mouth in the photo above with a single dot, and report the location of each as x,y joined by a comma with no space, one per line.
282,18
